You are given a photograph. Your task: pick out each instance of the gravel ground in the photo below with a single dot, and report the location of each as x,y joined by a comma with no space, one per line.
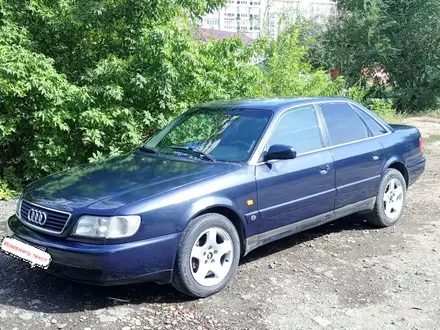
344,275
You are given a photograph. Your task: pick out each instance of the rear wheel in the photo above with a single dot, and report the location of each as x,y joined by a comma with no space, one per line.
207,257
390,200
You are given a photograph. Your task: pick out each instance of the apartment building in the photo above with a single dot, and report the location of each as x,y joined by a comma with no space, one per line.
253,17
238,16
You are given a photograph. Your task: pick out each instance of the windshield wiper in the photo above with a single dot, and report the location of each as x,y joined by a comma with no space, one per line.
194,151
149,150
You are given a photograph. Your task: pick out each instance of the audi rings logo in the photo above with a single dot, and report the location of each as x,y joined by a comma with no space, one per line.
36,216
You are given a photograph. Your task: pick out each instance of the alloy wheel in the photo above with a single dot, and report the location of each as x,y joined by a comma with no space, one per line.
393,199
211,256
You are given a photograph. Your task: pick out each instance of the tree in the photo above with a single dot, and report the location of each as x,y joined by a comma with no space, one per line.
402,36
289,71
82,80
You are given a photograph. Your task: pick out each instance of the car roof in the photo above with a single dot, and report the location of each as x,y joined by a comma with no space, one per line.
273,104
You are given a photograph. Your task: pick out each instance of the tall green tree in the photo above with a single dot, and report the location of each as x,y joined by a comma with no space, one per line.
290,72
84,79
403,36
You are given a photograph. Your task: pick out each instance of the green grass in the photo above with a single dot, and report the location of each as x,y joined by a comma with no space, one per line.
429,113
395,118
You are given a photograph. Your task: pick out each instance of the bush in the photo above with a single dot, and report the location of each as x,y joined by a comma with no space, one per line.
290,73
383,108
38,108
5,192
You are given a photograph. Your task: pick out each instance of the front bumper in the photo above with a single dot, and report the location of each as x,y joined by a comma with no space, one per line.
150,260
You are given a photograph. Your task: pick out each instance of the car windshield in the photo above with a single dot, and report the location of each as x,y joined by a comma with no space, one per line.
212,134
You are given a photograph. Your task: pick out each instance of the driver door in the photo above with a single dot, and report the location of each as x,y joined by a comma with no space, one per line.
295,190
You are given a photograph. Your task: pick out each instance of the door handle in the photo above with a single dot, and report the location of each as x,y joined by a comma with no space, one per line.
375,157
324,170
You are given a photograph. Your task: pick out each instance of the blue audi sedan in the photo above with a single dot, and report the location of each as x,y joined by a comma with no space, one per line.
219,181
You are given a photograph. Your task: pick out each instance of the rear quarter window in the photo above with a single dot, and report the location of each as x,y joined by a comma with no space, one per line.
375,128
343,124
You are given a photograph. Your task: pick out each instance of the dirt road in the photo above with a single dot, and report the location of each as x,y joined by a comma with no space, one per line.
344,275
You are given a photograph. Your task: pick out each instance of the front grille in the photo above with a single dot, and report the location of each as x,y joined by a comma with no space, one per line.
55,220
76,274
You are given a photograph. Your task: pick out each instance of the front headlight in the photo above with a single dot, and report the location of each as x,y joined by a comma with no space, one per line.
107,227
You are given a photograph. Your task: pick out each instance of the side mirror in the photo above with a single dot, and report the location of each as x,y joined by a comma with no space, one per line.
280,151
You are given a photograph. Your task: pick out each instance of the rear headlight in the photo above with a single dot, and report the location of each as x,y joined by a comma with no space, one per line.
422,148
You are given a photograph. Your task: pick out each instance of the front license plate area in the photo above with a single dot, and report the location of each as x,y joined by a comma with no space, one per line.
25,252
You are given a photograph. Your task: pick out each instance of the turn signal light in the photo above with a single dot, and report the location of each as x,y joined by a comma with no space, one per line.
422,148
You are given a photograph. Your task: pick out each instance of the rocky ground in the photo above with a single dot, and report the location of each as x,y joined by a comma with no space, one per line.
344,275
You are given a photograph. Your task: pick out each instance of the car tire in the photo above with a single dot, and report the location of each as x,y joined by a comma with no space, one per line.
390,201
207,256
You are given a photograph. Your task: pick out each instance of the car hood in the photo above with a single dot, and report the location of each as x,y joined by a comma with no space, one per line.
117,182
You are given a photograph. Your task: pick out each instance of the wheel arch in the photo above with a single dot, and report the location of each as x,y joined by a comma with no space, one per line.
232,216
400,166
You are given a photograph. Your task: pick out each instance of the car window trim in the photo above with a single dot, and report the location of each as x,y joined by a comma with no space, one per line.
323,126
354,107
329,147
367,129
201,108
254,160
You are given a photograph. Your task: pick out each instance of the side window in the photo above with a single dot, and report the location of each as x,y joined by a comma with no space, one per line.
343,124
373,125
298,128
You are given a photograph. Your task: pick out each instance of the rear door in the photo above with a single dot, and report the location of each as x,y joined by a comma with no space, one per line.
357,153
296,189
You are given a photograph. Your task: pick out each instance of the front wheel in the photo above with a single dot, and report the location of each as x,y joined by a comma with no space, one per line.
208,256
390,200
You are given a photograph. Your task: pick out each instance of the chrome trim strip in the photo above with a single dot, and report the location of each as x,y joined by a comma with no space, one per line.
346,144
40,228
357,182
18,211
258,240
297,200
254,160
329,148
46,208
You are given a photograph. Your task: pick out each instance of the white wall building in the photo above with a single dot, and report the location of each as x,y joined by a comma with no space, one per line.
238,15
252,17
